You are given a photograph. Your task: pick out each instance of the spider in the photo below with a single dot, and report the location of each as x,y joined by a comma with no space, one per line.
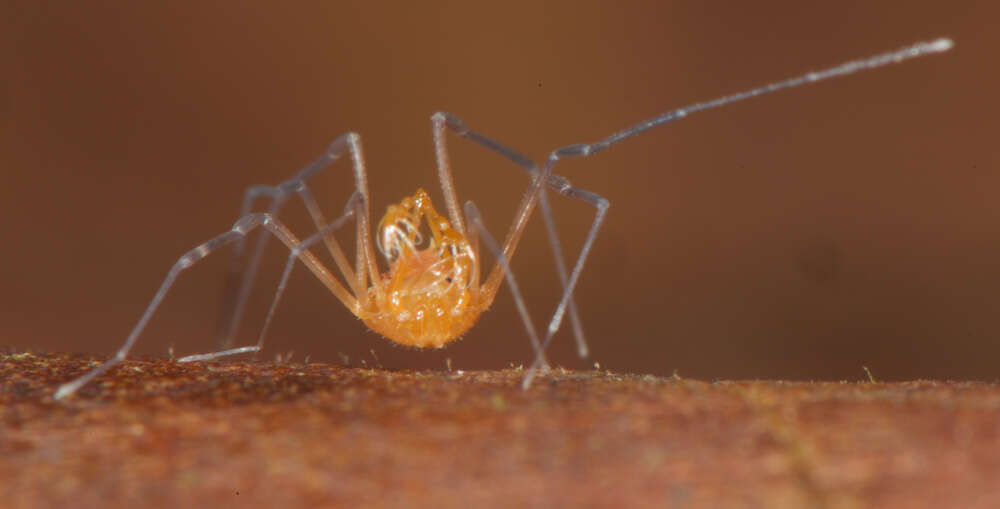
432,292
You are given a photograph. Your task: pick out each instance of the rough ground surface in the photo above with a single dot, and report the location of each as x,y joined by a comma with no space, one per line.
159,434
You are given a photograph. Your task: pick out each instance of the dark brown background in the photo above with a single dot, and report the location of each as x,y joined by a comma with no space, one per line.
801,235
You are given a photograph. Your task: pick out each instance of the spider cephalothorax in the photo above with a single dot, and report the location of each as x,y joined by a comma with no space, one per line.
429,296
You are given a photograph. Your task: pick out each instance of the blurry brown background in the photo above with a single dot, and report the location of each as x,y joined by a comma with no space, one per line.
801,235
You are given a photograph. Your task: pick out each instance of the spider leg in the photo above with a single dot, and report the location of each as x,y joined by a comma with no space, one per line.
442,120
353,206
477,229
240,279
601,204
584,150
581,343
538,193
562,186
240,229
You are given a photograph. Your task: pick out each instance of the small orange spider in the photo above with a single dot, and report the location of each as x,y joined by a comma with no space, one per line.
431,294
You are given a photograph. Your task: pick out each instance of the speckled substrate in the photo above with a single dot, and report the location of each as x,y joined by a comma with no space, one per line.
159,434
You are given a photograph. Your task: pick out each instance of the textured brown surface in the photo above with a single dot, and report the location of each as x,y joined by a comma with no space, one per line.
157,434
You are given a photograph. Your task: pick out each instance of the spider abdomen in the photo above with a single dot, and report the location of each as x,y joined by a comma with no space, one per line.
427,320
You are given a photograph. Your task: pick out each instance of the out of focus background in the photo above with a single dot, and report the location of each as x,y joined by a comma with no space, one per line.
800,235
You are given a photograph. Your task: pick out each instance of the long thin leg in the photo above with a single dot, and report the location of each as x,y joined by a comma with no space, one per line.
238,288
476,225
232,303
601,204
240,229
442,120
438,124
584,150
581,343
893,57
353,206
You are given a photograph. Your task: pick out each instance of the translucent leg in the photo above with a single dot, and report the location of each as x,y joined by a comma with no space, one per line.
561,185
353,206
240,229
442,120
241,278
477,229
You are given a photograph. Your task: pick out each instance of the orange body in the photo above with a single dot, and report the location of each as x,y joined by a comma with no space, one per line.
430,296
